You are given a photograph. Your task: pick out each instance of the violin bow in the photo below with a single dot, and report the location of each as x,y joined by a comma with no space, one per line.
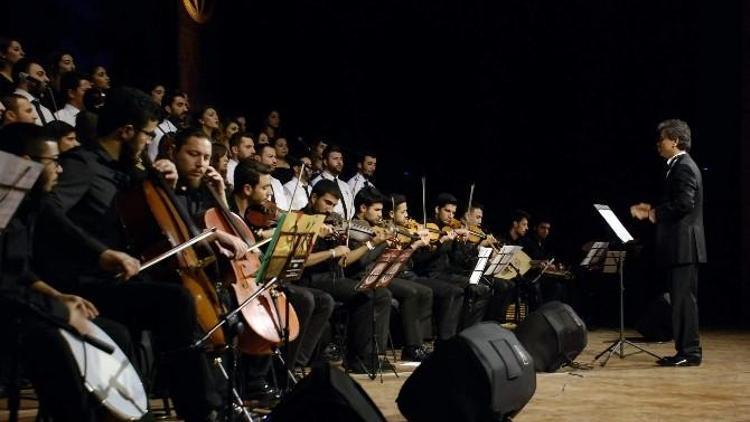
296,186
471,199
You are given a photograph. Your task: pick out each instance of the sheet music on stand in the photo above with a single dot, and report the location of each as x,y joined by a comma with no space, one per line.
614,223
479,269
595,256
16,180
386,267
509,263
290,246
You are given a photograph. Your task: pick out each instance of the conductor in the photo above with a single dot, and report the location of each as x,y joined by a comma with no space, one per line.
680,241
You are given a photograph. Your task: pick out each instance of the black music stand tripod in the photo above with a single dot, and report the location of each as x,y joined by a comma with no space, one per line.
614,262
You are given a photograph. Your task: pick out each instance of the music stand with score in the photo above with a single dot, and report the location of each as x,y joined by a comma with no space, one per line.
611,262
380,275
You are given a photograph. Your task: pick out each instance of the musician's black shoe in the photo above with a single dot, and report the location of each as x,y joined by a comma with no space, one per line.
680,360
265,395
359,367
413,354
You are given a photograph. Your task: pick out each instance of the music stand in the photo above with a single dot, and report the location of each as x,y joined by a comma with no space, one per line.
16,180
380,275
284,262
614,261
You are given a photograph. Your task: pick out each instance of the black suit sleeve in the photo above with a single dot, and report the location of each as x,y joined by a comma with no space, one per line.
681,195
72,186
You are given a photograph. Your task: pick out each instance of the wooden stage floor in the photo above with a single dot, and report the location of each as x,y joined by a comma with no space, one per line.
630,389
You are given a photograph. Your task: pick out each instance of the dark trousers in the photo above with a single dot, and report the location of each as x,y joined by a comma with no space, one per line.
503,293
168,310
314,307
476,298
447,305
415,307
683,282
360,306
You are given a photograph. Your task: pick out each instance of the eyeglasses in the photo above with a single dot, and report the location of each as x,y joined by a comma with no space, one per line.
47,160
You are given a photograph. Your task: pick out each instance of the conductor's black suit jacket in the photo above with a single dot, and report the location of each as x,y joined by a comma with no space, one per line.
679,215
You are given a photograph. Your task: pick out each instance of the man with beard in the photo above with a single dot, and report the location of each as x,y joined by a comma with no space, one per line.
365,172
241,147
18,110
89,194
333,165
73,85
298,189
25,297
176,108
31,83
267,156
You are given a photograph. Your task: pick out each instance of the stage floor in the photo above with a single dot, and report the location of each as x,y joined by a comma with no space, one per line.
630,389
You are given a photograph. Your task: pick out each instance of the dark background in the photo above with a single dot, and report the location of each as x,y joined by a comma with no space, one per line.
546,106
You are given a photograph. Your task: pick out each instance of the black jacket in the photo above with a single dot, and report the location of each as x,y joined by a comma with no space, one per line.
679,215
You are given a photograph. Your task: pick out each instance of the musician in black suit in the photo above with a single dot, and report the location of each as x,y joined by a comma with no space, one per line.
680,241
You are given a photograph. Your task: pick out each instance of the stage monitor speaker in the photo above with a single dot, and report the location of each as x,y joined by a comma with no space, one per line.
656,323
554,335
482,374
326,394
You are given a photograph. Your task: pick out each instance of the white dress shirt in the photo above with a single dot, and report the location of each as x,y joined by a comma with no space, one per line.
346,194
68,114
357,182
231,165
301,196
279,194
48,116
162,129
671,161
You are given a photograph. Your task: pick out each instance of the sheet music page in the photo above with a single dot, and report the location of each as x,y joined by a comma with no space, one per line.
16,179
484,256
614,223
598,249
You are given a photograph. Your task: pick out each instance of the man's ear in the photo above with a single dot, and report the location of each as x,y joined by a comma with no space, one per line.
391,214
126,132
247,190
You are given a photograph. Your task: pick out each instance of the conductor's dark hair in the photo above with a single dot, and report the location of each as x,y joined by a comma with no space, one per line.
676,129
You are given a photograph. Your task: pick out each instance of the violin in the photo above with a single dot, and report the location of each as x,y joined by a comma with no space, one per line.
163,224
406,233
264,215
265,318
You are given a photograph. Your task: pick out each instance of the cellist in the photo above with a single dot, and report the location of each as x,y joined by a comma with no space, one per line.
313,306
87,194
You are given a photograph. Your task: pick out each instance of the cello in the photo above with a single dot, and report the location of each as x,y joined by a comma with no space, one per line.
163,224
266,317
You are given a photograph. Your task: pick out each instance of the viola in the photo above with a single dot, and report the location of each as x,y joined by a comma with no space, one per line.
163,224
265,214
265,318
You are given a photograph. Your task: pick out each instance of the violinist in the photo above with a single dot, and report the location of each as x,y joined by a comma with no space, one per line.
267,155
313,306
440,261
473,222
87,196
415,299
241,147
45,355
366,166
447,297
324,270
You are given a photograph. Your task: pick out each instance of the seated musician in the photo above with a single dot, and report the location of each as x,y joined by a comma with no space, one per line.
440,261
447,297
536,247
45,355
501,289
324,270
519,226
313,306
415,300
87,196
